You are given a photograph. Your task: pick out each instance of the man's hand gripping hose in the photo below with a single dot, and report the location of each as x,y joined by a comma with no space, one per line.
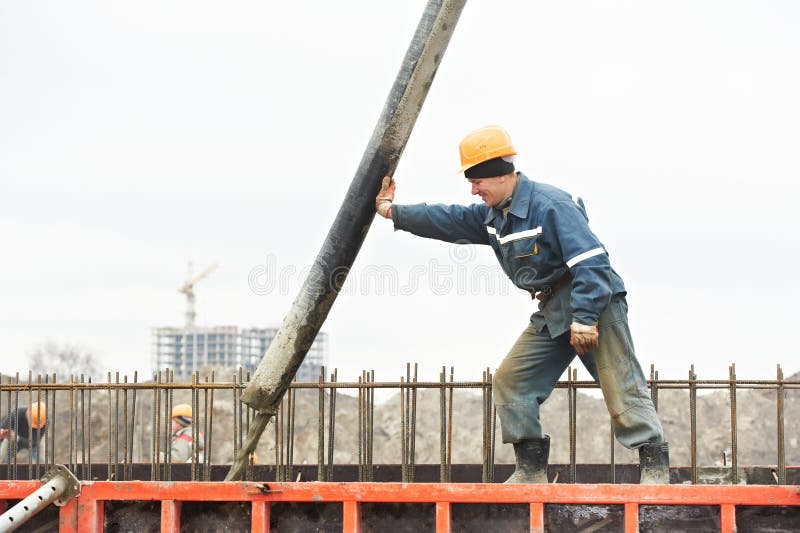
383,202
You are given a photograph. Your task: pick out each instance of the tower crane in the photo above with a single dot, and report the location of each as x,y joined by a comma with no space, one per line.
188,290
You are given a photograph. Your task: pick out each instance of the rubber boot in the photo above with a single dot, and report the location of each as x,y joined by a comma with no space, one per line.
654,464
532,457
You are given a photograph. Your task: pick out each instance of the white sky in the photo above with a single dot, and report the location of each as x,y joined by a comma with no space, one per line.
135,136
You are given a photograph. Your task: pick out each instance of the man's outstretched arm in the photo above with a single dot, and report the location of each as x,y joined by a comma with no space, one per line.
450,223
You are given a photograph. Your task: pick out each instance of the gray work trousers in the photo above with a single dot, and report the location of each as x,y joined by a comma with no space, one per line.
529,372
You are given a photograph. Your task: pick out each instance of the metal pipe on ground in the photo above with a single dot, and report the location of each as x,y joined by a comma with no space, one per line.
329,272
59,485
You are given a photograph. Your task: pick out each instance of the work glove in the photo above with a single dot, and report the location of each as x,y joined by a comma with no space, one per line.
583,338
383,202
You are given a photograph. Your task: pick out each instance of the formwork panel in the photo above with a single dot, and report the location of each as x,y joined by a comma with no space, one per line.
379,517
305,517
230,517
679,518
124,516
480,518
595,518
775,519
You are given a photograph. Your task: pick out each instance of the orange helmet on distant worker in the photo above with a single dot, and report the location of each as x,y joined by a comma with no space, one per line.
182,413
483,144
37,415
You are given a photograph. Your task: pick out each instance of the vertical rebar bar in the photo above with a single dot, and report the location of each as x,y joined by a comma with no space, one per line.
110,431
654,386
51,450
734,430
332,424
195,426
361,424
116,426
276,423
290,443
133,425
403,434
126,460
281,470
16,429
371,433
485,415
612,461
781,434
83,427
442,426
573,398
413,453
156,436
41,440
321,427
450,427
210,432
29,436
89,432
493,439
693,421
249,413
201,455
169,378
237,406
242,409
166,420
10,423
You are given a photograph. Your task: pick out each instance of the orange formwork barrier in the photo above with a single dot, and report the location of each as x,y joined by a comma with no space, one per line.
85,514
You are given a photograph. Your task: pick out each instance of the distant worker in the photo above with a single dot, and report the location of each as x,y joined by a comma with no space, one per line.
183,435
29,430
541,237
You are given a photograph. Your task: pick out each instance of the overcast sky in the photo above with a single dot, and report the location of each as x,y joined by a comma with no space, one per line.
136,136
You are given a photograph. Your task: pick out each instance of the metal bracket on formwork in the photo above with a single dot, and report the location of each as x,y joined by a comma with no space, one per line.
59,486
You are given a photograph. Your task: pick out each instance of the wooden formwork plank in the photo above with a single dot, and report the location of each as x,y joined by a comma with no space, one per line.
259,514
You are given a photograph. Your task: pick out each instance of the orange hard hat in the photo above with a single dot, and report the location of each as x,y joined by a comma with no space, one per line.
183,412
484,144
37,415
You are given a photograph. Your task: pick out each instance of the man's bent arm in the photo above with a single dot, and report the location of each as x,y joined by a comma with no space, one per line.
586,258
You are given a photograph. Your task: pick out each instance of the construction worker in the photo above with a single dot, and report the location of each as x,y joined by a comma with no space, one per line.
28,426
541,237
183,435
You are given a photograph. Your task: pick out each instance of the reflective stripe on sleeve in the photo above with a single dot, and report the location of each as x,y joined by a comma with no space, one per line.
585,255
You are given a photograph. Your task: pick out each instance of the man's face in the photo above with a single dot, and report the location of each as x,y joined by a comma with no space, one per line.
491,190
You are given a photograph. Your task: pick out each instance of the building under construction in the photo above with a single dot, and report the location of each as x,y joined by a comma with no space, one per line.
186,350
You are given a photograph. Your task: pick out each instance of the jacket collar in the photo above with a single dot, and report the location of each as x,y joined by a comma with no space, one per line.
521,199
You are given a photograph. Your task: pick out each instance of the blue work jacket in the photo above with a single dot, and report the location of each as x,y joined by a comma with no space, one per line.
545,235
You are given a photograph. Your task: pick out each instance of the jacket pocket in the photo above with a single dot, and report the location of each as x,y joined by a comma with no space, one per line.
525,248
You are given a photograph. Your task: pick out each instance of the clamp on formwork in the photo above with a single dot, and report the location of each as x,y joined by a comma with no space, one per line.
59,486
